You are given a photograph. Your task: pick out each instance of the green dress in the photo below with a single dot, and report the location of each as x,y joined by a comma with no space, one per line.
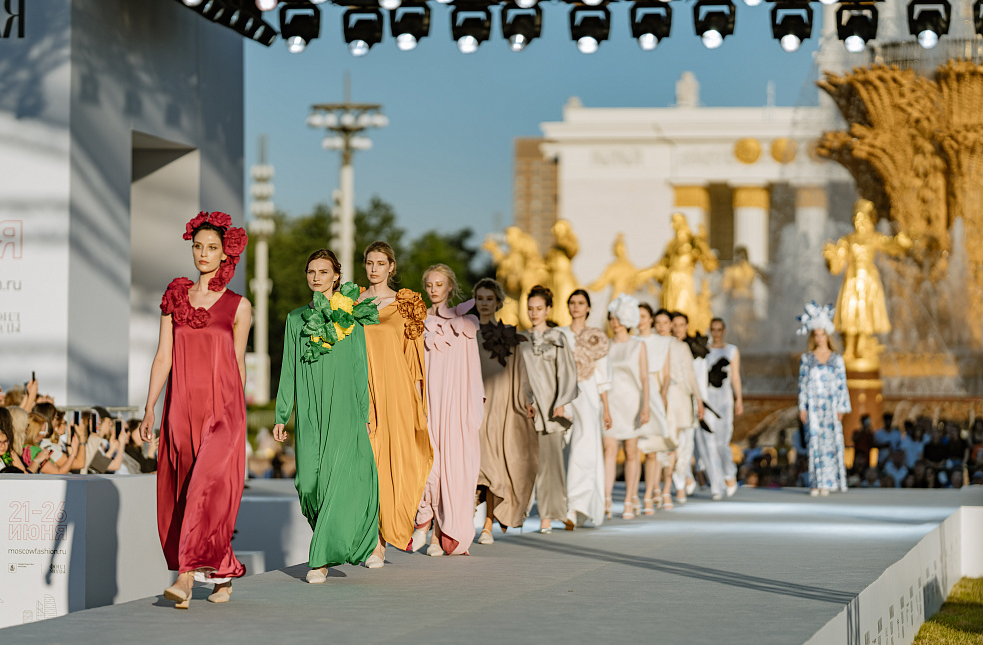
336,474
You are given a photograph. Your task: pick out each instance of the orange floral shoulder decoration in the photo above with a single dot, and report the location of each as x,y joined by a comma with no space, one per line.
411,307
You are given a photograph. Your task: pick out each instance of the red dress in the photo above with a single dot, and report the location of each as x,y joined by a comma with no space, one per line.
201,459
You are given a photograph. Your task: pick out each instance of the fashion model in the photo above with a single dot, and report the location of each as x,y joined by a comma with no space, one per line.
201,459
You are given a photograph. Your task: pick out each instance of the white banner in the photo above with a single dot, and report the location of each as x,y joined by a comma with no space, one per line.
36,544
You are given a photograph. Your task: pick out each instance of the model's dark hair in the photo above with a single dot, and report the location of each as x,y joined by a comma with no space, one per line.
719,320
387,250
7,427
490,284
207,226
539,291
647,307
662,312
579,292
679,314
325,254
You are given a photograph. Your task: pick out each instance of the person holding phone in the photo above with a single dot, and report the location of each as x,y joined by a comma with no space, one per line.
201,358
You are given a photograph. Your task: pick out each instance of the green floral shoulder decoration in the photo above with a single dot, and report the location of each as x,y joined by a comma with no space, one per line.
327,322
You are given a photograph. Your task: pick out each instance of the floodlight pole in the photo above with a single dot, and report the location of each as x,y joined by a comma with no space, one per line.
261,229
346,122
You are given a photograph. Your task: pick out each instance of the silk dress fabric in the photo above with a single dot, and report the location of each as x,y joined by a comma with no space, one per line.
509,443
585,454
455,408
625,396
721,399
822,394
336,477
553,377
398,417
657,438
201,458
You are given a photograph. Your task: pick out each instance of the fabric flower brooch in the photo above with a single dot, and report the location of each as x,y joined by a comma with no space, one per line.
410,306
329,321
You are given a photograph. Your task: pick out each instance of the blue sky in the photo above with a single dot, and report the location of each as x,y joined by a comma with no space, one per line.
445,161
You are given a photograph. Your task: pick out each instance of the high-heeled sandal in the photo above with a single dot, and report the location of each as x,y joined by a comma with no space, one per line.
636,506
667,502
649,506
629,510
607,508
221,594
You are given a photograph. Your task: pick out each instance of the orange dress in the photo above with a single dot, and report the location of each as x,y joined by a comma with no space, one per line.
397,414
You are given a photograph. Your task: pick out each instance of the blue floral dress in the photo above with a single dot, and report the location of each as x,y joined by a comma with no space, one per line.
823,394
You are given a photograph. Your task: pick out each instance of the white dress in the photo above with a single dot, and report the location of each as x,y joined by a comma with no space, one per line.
625,396
657,437
585,456
721,399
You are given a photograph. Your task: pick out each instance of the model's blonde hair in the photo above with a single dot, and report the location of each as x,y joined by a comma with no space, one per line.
829,340
448,273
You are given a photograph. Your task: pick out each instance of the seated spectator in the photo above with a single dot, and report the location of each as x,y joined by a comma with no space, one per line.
935,452
753,452
913,443
144,455
887,438
863,441
957,450
895,467
919,472
977,479
909,481
11,461
956,478
784,450
870,479
886,481
931,478
36,458
975,458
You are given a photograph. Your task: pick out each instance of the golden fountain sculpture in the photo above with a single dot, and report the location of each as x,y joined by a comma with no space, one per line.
861,309
621,275
915,148
675,273
521,266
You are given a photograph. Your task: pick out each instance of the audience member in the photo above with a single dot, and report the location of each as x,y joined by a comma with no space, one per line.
888,438
935,453
896,468
863,440
913,443
11,461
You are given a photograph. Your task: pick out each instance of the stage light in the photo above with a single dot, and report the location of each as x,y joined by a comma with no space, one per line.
791,23
192,3
752,3
299,26
470,26
856,23
266,5
928,19
390,5
650,23
362,29
521,26
409,24
589,27
593,3
714,21
527,4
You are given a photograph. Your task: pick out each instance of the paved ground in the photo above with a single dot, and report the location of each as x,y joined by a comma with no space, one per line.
768,566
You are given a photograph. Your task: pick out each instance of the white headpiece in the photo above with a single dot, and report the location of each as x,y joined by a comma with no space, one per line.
817,317
625,308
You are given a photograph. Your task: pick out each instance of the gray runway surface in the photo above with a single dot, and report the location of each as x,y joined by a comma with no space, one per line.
767,566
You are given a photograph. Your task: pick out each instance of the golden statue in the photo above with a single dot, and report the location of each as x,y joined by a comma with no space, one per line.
558,262
518,271
621,275
738,285
861,309
675,271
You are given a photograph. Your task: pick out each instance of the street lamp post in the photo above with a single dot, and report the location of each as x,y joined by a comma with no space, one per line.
345,125
261,228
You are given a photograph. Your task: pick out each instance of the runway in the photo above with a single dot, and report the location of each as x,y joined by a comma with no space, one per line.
767,566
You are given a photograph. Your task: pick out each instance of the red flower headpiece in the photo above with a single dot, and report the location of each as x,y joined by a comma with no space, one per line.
234,242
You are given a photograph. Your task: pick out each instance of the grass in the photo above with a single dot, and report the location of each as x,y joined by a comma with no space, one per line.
960,621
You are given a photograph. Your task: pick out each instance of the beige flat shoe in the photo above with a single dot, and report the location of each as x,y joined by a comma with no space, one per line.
317,576
374,562
179,596
434,550
419,539
221,595
486,537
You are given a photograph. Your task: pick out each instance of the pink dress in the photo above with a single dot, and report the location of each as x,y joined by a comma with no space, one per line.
455,398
